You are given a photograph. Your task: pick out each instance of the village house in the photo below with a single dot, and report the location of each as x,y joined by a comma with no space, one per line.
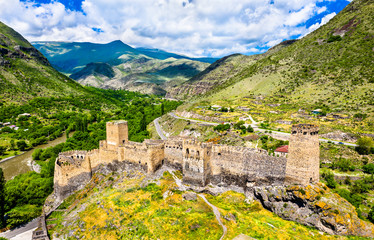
282,151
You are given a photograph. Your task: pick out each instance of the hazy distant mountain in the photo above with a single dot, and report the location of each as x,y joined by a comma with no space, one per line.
116,65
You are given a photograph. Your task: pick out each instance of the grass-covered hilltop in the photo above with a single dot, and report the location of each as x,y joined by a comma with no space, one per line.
330,69
25,73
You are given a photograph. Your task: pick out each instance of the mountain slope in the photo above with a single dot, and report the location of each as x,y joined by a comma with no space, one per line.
332,66
139,73
25,73
150,71
69,57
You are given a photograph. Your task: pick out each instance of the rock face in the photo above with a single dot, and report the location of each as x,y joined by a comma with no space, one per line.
189,196
316,206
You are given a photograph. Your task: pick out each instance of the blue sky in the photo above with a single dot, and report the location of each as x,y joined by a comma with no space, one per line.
212,28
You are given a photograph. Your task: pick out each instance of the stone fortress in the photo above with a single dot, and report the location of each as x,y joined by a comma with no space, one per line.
201,163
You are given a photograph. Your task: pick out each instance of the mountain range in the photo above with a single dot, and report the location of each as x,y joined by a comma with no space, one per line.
117,65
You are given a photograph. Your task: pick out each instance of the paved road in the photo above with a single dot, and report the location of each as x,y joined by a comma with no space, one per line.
21,230
158,129
193,120
256,128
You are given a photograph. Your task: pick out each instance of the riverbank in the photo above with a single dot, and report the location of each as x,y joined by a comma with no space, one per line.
22,163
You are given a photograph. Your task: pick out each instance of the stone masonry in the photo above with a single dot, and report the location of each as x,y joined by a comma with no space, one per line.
201,163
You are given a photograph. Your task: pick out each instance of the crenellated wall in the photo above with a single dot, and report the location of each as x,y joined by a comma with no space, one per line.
173,153
201,163
72,171
246,167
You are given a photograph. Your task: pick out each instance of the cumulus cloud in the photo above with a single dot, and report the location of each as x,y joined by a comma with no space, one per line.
324,20
191,27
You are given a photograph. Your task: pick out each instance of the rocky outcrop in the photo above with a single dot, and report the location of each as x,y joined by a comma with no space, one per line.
316,206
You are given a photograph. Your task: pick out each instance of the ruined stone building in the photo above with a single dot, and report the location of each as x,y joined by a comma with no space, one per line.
201,163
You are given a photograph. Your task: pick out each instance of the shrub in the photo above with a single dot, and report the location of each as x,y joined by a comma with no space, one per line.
330,180
222,127
369,168
354,199
344,165
333,38
365,144
371,215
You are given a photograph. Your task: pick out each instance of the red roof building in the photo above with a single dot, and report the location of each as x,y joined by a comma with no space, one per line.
282,150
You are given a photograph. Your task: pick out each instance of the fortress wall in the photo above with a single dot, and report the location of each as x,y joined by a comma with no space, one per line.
246,166
72,172
173,153
94,158
135,153
155,156
106,154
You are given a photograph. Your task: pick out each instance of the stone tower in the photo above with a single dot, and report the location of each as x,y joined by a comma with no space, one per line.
116,134
303,155
196,162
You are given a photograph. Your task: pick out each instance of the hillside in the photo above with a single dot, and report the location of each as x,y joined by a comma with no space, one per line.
129,205
150,71
69,57
139,73
330,68
25,73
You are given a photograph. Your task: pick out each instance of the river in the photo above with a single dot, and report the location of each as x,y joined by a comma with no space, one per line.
22,163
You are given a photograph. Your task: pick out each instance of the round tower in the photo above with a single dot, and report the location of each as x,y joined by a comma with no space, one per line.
303,155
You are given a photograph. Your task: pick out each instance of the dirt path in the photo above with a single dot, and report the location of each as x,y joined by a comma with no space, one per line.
218,215
215,209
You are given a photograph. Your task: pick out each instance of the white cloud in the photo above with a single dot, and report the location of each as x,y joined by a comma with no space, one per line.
324,20
191,27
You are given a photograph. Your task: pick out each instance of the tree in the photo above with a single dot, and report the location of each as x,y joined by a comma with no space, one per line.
330,180
369,168
143,123
365,144
22,145
250,129
12,144
2,199
162,109
371,215
2,150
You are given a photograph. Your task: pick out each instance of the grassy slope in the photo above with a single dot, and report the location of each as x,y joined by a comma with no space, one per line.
116,207
309,71
27,73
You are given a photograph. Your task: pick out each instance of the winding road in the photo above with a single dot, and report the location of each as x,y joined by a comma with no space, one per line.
159,129
22,232
255,127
